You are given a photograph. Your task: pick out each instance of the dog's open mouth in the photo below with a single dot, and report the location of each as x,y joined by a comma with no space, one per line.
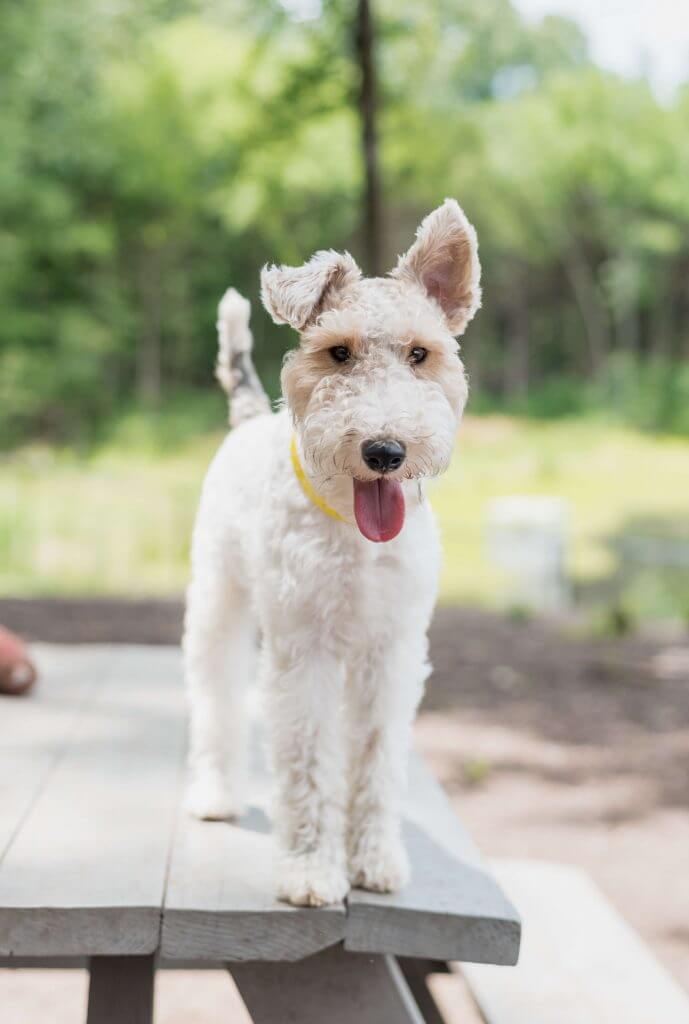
379,508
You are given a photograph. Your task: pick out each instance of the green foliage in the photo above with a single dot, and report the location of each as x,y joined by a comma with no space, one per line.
519,614
476,772
651,394
654,394
617,620
154,152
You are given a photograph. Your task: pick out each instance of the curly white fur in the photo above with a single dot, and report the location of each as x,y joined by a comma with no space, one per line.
234,368
343,657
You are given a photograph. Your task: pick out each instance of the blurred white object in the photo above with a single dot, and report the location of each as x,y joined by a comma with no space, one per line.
527,539
671,663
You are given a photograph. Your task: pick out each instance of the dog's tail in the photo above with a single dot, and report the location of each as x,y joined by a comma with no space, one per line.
234,368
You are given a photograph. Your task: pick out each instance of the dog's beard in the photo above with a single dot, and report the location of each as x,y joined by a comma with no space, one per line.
332,436
378,503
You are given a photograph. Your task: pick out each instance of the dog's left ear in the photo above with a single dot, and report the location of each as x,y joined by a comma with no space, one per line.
444,261
298,295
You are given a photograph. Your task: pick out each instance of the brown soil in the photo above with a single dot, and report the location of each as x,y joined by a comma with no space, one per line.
94,620
570,749
551,746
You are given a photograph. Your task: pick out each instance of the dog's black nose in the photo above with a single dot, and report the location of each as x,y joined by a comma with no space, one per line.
383,456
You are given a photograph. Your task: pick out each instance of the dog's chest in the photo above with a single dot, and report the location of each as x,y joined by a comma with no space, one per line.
323,575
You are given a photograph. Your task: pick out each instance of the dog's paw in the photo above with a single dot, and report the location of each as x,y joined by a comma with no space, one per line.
210,798
311,880
379,864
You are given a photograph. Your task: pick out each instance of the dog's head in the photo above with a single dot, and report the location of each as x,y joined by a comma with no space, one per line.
376,387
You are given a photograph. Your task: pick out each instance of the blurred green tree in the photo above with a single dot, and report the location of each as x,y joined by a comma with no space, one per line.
153,152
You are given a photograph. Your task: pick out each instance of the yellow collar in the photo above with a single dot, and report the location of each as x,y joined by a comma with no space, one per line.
307,486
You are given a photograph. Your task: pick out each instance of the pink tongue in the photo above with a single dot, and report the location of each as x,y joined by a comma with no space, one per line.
379,508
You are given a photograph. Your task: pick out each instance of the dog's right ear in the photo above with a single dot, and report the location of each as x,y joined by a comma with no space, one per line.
444,261
298,295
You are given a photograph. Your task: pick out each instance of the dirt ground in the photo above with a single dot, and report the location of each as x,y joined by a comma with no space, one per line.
573,750
551,746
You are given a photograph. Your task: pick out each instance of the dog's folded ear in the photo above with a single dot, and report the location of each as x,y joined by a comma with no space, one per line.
297,295
444,261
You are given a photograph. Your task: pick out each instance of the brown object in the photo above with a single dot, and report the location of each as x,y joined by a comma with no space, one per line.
17,671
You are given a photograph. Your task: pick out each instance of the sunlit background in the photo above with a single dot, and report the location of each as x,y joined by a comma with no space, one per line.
155,151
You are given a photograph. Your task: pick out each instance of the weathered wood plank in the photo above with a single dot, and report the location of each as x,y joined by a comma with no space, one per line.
580,960
121,990
86,873
333,986
220,901
452,909
37,729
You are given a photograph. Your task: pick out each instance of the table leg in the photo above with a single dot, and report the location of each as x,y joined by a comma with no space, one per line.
121,990
416,973
332,986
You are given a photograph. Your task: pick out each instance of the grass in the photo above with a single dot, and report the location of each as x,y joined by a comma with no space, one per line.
117,519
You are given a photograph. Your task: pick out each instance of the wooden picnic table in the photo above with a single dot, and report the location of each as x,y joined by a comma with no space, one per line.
100,866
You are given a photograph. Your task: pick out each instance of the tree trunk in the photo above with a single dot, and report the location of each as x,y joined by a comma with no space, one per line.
662,327
627,329
516,382
364,41
591,308
149,352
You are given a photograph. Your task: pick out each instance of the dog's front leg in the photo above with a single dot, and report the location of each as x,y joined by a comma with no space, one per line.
303,698
383,694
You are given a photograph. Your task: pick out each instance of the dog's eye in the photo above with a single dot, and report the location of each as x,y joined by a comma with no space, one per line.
340,353
418,354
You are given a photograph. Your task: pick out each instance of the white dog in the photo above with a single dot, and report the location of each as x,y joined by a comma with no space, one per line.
285,542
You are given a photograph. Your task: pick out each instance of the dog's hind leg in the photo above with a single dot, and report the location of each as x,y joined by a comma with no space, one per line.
219,649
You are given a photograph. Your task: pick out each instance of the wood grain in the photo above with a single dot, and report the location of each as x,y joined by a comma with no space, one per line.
452,909
121,990
221,902
37,729
93,859
86,873
334,986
